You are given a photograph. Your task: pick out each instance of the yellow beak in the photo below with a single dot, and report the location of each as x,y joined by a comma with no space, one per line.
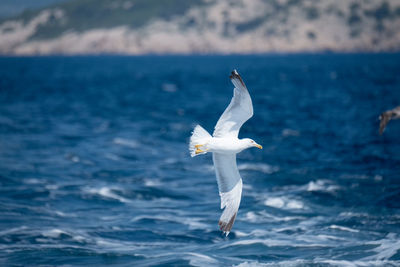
258,146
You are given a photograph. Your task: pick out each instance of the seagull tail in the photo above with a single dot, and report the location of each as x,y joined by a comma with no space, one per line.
198,141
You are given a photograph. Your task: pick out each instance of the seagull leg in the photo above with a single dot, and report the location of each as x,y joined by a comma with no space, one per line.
198,150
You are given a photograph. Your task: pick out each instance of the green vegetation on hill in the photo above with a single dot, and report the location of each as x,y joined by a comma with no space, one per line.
82,15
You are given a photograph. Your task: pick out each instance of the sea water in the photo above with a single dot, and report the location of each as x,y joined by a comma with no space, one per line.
95,168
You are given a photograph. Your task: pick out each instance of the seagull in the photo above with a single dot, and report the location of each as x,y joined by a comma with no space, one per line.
224,145
386,116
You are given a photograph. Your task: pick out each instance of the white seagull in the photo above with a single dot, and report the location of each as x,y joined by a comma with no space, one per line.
225,144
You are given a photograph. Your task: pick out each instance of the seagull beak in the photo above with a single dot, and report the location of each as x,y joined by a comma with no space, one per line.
258,146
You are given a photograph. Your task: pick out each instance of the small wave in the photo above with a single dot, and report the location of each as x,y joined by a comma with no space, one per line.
13,230
321,186
72,157
34,181
193,223
318,262
261,167
126,142
54,233
284,203
152,182
274,243
112,156
333,226
356,263
107,193
290,132
169,87
388,247
197,259
263,216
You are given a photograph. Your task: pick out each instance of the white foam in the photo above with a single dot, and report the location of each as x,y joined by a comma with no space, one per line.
12,230
107,192
33,181
294,204
54,233
261,167
322,186
112,156
126,142
283,203
263,217
193,223
333,226
357,263
274,264
298,262
152,182
274,243
51,187
197,259
79,238
275,202
387,248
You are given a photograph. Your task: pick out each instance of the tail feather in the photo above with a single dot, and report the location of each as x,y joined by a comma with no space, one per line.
199,137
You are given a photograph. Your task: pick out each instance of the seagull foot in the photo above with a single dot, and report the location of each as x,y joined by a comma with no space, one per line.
198,151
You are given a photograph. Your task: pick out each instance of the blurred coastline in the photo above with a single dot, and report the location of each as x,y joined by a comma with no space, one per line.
203,27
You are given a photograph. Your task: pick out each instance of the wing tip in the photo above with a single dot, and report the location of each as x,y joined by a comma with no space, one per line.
384,119
235,76
226,227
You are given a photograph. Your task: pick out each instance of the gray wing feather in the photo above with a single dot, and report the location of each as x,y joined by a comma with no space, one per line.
226,171
240,109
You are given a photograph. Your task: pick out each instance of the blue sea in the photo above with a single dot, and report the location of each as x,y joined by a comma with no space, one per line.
95,168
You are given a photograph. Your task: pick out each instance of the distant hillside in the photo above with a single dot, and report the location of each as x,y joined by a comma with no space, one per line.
204,26
10,8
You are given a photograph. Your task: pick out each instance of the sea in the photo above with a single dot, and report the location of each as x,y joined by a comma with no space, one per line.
95,168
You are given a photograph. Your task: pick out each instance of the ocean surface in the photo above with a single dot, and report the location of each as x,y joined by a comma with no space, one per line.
95,168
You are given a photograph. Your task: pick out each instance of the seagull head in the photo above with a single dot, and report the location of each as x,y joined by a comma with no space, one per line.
251,143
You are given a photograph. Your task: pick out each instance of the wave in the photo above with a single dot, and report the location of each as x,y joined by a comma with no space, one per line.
126,142
107,192
260,167
193,223
284,203
319,262
321,186
342,228
197,259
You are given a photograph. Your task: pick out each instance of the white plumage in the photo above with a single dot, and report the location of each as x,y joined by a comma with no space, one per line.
224,144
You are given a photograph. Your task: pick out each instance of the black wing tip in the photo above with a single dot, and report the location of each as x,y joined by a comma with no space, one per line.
227,226
235,75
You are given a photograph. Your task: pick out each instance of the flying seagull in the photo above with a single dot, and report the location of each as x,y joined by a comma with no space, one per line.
225,144
386,116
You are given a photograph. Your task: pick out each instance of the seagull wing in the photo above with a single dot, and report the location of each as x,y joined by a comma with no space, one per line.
240,109
385,118
230,188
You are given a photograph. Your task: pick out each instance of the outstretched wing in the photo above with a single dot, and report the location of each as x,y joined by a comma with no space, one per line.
230,188
238,112
385,118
